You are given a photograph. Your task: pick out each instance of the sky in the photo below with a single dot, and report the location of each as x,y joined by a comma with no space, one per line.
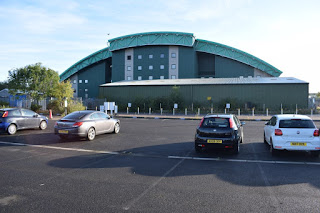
284,33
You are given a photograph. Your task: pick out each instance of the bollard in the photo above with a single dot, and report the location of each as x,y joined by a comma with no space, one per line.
50,113
173,111
161,110
252,111
267,112
311,112
198,111
281,111
150,111
138,110
211,110
127,110
239,112
225,111
185,111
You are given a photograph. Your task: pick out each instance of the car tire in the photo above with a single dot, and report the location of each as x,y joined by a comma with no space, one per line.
116,128
91,134
273,151
12,129
197,148
43,125
236,148
264,138
315,154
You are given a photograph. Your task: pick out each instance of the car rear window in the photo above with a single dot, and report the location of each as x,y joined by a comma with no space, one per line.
76,115
216,123
296,123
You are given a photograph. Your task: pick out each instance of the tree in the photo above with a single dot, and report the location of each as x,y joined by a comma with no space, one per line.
318,94
63,90
3,85
34,80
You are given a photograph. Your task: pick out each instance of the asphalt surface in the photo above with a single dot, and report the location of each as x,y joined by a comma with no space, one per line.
151,166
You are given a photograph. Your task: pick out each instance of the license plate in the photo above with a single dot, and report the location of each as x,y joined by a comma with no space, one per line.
63,131
214,141
298,144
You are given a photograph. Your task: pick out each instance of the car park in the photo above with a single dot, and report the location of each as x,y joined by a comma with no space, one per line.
219,132
13,119
292,133
87,124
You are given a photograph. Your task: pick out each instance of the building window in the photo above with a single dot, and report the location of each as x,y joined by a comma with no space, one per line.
129,78
150,67
173,55
161,67
80,81
173,77
129,57
74,81
150,56
139,78
161,77
173,66
129,68
139,67
161,55
139,56
150,77
86,81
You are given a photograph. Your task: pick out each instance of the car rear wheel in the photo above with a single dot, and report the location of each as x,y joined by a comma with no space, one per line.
236,148
197,148
91,134
116,128
12,129
315,153
43,125
273,151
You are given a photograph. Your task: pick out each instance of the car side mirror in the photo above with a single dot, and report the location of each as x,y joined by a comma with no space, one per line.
266,123
243,123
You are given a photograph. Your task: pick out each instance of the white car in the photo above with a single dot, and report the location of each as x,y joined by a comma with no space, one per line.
293,133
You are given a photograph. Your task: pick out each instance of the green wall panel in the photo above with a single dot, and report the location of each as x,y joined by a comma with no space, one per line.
228,68
118,65
187,58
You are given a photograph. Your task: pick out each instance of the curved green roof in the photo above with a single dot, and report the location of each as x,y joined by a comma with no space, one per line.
235,54
170,38
85,62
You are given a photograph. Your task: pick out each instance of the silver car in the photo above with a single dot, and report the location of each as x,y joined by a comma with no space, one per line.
87,124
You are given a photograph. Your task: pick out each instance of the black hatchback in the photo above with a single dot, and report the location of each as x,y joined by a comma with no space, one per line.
13,119
219,132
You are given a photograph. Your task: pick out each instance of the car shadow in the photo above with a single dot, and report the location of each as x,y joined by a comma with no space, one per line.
226,166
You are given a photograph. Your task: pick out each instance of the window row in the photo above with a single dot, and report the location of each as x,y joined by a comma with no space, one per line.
129,78
173,66
80,81
162,55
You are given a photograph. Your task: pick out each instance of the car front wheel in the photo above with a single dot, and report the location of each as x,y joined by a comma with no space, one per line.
116,128
12,129
91,134
43,125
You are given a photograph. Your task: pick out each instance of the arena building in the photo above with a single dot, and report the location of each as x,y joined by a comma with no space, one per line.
155,59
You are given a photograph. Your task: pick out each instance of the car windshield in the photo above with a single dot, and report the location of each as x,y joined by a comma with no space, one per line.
296,123
76,115
215,122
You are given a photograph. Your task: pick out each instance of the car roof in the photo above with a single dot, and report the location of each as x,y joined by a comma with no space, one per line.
290,116
219,116
8,109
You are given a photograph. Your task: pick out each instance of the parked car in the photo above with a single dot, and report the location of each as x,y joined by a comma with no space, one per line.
13,119
87,124
293,133
219,132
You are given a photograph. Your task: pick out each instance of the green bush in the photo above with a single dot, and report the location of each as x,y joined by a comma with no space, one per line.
75,106
56,107
35,107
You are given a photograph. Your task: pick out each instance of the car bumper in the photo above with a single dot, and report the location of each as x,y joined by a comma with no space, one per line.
4,126
219,143
309,145
80,132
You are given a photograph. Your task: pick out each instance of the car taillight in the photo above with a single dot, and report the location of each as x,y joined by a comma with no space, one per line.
231,123
278,132
5,114
316,133
77,124
201,122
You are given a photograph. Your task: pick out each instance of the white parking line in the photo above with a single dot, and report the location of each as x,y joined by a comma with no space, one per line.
169,157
